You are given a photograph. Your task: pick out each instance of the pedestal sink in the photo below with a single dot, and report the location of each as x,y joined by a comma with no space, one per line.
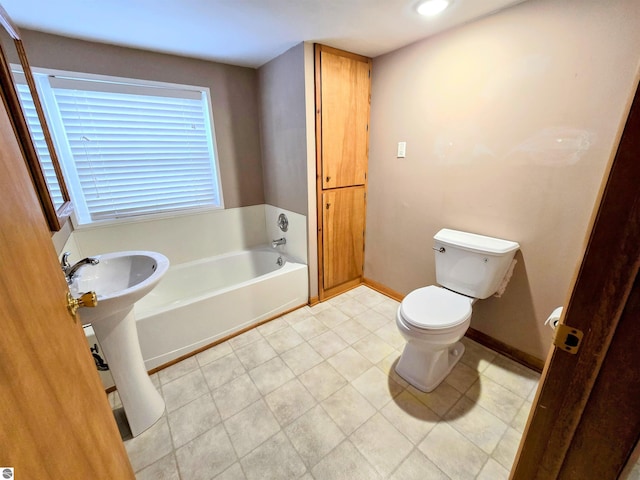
120,279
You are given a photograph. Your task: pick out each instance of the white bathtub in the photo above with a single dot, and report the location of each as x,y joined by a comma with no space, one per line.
199,302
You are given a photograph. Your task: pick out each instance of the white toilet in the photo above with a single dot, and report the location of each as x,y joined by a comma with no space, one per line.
433,319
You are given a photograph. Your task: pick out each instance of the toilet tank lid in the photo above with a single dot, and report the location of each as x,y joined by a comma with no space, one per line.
475,242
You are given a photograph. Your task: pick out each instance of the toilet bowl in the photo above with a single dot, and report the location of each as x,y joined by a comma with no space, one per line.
432,320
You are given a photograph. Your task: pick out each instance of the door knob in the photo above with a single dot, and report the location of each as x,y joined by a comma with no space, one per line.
89,299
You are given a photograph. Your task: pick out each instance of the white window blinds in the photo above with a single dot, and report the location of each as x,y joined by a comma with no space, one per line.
29,109
137,149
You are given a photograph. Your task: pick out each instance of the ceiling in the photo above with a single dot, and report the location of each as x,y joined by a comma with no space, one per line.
244,32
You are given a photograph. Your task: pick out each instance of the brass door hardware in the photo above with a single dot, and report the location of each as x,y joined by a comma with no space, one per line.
89,299
567,338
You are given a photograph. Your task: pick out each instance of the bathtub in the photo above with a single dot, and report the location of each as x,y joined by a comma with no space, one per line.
199,302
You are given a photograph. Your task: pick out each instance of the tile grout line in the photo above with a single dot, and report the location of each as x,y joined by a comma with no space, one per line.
316,402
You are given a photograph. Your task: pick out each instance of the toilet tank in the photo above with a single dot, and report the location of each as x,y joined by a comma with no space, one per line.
471,264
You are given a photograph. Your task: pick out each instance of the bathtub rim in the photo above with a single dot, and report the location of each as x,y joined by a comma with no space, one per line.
289,266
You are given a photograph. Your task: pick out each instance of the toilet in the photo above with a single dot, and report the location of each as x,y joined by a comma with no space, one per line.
433,319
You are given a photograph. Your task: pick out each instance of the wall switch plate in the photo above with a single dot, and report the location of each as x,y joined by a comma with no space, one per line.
402,149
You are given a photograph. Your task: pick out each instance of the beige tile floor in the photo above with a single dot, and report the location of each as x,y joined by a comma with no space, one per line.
313,395
634,474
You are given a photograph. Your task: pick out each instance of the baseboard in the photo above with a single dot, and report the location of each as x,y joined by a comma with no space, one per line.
314,301
514,354
383,289
335,291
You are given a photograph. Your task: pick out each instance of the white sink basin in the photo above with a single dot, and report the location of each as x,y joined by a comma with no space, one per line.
119,279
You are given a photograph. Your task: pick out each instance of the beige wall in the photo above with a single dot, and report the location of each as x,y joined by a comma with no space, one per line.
234,98
510,122
283,130
287,121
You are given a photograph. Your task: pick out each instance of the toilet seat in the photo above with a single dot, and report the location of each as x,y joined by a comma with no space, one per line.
435,308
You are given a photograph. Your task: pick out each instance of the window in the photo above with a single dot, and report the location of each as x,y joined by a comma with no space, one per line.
130,148
26,100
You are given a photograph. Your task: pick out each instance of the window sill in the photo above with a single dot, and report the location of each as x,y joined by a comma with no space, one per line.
151,217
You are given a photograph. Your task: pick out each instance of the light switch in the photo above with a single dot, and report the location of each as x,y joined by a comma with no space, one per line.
402,149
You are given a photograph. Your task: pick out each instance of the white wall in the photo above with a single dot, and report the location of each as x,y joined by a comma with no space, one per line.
296,234
182,238
192,236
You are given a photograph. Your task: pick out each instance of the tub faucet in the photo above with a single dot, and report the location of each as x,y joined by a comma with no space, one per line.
280,241
71,270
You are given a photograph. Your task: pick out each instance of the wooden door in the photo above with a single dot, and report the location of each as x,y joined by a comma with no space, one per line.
55,420
343,235
345,94
585,420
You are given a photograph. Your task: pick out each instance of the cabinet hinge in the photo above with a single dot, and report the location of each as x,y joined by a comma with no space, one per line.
567,338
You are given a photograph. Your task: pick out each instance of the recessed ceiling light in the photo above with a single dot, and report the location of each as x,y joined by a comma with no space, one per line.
432,7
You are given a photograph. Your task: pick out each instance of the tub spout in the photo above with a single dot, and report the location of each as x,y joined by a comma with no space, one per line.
280,241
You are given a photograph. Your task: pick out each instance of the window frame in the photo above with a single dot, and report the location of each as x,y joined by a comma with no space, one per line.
67,161
55,190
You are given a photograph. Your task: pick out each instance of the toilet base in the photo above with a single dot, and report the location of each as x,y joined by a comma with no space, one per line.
426,370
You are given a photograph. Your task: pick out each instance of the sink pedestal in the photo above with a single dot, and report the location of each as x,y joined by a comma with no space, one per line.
118,336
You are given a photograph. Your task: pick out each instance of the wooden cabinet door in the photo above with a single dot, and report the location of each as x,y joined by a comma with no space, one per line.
344,104
343,235
55,419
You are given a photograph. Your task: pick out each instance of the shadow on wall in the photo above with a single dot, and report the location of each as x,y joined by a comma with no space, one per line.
511,318
241,170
